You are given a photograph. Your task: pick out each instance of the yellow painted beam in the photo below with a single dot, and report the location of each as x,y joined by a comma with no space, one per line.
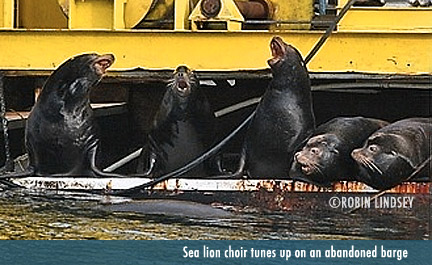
119,13
371,52
387,19
181,12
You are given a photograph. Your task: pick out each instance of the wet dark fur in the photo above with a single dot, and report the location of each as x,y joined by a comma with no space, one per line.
284,117
183,128
60,133
326,157
390,155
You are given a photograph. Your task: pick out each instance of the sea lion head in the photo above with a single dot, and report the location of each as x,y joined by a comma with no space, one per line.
78,74
318,156
382,162
286,58
184,82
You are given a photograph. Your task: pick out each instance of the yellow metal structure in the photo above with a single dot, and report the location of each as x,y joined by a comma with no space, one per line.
386,18
292,14
218,50
229,14
41,14
7,14
91,14
371,40
182,10
125,14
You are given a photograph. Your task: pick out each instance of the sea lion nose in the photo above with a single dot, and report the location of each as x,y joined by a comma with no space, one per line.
110,57
355,153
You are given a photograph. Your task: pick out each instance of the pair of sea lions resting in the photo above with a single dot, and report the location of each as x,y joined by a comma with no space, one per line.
379,154
61,138
326,156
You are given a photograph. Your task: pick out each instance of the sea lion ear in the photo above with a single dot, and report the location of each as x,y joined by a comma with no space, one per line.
333,149
393,153
331,146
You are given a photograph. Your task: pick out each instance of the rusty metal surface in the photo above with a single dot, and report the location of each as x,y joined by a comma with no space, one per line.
205,185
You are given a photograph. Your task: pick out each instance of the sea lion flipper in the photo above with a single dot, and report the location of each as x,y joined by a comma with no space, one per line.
242,163
8,167
239,172
150,166
27,173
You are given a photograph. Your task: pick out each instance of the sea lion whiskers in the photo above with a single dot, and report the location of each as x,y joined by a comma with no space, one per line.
370,164
318,168
307,164
171,82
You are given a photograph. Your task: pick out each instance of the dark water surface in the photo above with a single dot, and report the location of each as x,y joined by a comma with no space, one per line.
29,215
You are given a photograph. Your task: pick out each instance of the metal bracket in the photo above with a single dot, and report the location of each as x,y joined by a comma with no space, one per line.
228,13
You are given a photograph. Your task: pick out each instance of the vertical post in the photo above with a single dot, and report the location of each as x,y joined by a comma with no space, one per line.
322,7
7,17
119,22
181,14
71,15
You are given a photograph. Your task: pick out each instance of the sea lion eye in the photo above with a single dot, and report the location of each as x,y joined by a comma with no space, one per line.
373,148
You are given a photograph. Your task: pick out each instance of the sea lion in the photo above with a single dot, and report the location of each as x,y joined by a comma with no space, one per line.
169,208
60,136
326,157
284,117
182,129
391,154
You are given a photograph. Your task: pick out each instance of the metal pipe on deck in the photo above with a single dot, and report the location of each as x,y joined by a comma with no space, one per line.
256,9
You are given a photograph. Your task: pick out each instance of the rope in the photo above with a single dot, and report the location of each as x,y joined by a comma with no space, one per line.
217,147
212,151
329,31
191,164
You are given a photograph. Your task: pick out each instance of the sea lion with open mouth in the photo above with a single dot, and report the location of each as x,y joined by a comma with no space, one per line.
284,117
392,154
61,136
183,128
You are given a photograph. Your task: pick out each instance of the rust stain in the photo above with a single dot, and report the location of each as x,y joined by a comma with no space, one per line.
241,185
269,185
161,186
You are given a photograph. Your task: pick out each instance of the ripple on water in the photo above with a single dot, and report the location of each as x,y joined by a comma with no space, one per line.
26,215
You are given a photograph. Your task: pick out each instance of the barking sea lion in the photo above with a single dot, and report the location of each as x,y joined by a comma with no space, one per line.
60,136
283,119
183,127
